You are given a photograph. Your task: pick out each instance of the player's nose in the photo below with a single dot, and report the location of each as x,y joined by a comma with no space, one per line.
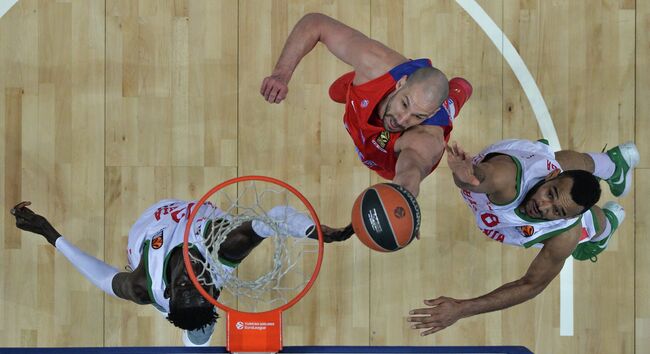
544,206
402,118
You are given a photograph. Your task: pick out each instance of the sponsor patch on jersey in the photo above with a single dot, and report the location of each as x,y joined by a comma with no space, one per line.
382,140
157,240
526,230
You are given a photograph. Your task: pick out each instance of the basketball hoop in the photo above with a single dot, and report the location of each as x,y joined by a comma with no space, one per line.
279,289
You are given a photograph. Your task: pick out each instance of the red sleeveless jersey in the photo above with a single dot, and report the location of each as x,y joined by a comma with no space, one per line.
375,145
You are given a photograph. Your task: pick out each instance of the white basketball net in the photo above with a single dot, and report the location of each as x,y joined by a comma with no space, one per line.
276,272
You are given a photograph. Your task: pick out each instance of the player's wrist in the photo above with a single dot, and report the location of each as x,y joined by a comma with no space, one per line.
466,308
52,236
282,73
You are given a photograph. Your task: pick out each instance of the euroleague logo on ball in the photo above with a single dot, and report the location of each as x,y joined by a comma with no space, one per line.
399,212
239,325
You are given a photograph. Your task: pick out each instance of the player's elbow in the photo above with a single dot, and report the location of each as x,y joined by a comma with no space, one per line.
533,287
314,17
313,22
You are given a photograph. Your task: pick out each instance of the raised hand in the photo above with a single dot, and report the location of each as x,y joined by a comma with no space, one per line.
274,88
27,220
461,165
444,312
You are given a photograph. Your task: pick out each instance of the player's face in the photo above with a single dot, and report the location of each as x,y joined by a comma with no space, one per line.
407,106
181,286
551,200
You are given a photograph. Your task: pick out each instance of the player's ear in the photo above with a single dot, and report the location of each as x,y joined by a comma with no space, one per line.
401,82
552,175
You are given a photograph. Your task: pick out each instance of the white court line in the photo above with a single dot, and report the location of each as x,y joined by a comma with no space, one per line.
545,125
5,5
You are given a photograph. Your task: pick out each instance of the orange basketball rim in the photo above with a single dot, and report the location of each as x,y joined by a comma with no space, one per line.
253,331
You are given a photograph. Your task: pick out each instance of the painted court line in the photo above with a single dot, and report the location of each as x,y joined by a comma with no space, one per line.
5,5
545,125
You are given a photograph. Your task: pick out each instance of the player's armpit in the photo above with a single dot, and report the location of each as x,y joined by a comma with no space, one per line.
125,288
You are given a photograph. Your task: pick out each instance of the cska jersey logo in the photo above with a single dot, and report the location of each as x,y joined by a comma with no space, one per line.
157,240
527,230
382,140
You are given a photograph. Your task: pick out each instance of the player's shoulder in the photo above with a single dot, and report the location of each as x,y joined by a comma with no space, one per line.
373,63
565,238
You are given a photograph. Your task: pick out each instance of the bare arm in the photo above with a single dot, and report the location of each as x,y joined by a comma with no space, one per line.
446,311
102,275
544,268
418,149
368,57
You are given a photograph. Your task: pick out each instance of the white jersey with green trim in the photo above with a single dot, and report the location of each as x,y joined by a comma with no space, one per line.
158,231
504,223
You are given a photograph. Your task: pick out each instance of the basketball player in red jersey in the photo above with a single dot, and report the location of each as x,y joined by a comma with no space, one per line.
399,112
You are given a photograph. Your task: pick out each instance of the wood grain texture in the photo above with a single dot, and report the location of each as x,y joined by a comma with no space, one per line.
109,106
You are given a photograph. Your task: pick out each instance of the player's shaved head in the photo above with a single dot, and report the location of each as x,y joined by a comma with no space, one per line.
432,82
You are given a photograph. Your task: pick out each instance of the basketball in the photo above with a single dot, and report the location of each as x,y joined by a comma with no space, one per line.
386,217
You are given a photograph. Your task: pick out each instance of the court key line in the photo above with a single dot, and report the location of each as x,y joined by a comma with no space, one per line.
545,123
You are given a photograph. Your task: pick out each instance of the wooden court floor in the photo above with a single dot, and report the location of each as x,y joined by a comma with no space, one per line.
109,106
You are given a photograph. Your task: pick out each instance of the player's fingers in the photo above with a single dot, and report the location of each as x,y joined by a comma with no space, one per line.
268,89
19,206
282,94
272,95
423,311
22,212
426,324
456,149
431,331
460,150
434,302
279,98
475,181
263,87
419,319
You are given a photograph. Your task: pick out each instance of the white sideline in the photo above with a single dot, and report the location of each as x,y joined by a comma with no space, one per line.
5,5
545,125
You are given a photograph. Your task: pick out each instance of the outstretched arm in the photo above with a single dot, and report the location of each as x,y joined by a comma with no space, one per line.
369,57
445,311
418,149
99,273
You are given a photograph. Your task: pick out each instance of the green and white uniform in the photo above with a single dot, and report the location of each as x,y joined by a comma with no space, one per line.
158,231
504,223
